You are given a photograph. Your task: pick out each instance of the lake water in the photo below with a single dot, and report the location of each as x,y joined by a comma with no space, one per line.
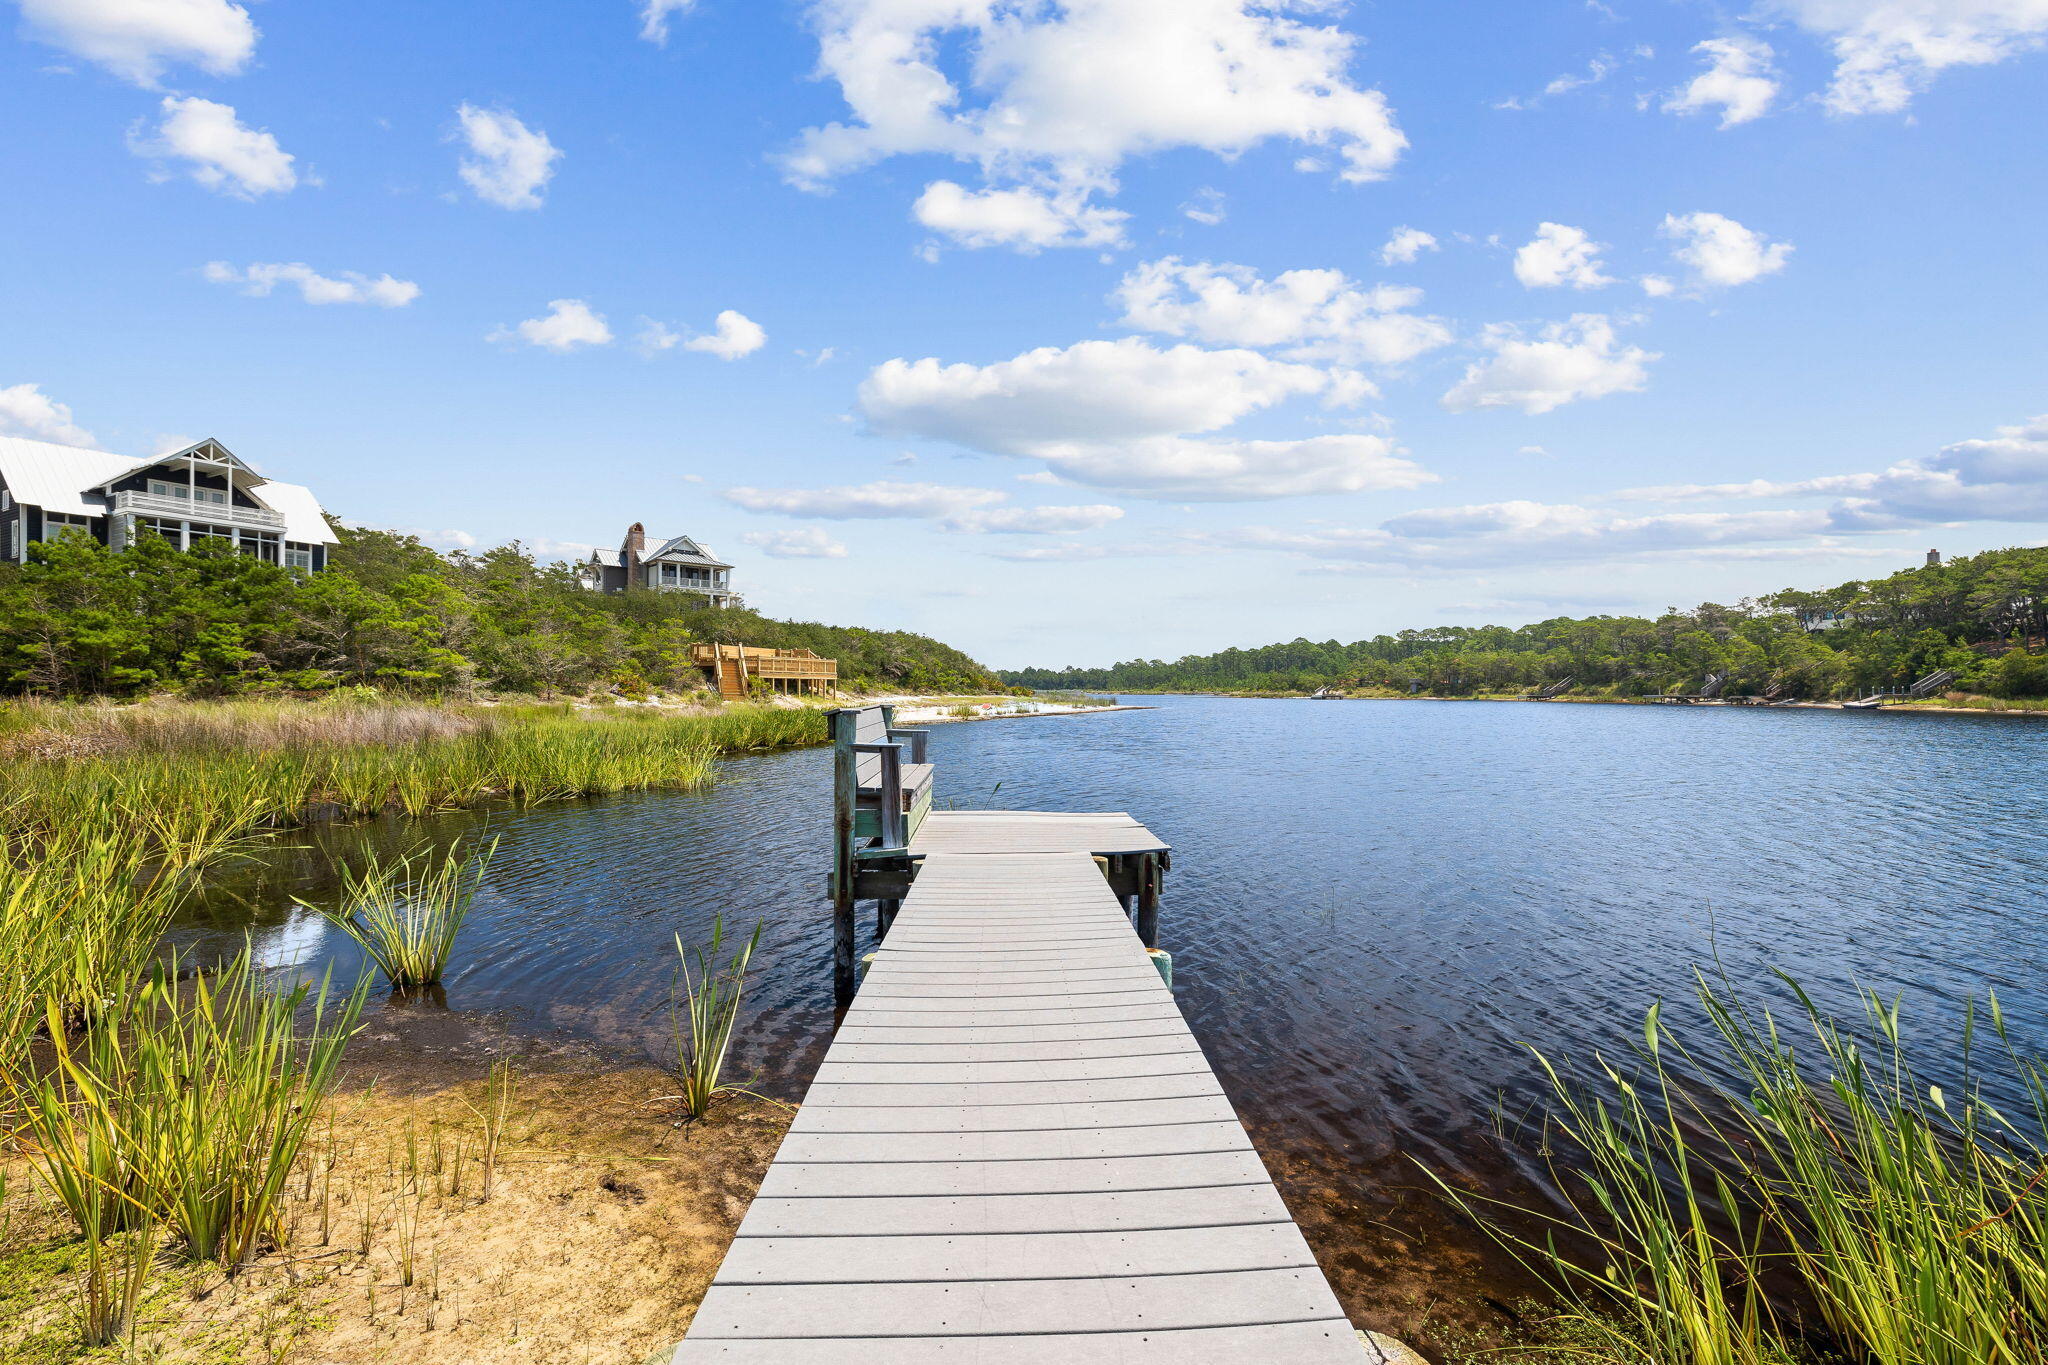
1373,905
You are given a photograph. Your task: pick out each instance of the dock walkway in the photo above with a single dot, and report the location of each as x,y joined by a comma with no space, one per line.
1014,1151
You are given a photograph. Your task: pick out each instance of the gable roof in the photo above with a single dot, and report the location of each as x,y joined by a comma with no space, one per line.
683,550
58,478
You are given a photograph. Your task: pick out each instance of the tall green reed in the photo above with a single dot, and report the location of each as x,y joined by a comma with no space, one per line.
702,1011
189,1106
1909,1219
406,912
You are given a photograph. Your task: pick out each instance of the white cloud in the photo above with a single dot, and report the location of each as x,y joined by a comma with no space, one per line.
1739,81
1207,207
137,39
803,542
654,17
1405,244
885,499
1560,255
1657,286
508,163
736,335
225,154
1038,521
448,538
568,324
1886,51
259,279
25,410
1566,362
1055,98
2003,477
1315,314
1722,252
1026,219
1120,414
656,336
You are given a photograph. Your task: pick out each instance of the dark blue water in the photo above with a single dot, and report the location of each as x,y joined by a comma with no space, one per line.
1373,905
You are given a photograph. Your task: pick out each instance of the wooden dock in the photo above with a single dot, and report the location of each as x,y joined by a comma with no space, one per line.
1014,1151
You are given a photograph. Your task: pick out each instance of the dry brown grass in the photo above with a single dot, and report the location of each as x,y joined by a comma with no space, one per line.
603,1226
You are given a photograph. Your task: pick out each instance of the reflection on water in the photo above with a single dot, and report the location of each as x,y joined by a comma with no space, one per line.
1373,905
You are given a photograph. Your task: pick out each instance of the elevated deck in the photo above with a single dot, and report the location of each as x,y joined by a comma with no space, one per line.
1014,1151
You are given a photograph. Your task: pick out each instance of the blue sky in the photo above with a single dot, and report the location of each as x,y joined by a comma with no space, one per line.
1067,332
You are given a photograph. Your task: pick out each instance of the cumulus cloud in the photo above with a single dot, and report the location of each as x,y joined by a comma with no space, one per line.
1560,255
654,17
1026,219
803,542
567,325
1887,51
137,39
1122,415
507,163
734,334
1313,314
25,410
1721,252
260,279
1740,81
1055,98
1567,361
1038,521
1405,245
220,151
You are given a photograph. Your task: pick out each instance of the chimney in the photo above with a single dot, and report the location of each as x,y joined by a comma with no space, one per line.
1934,559
630,552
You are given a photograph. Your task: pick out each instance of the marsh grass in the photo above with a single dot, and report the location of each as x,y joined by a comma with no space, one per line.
190,1106
704,1006
406,912
1902,1222
107,814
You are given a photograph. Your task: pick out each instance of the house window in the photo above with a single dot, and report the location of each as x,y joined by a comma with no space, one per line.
164,489
200,533
298,556
262,544
55,522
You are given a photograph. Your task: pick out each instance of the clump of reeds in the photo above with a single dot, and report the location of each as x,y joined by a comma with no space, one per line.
1911,1218
704,1006
405,913
188,1105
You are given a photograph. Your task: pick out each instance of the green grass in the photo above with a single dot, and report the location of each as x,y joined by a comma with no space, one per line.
187,1106
106,813
705,1006
405,913
1897,1220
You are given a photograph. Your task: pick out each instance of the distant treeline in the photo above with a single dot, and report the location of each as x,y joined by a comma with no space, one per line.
1986,617
80,620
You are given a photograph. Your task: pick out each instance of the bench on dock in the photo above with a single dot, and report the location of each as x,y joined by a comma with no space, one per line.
891,796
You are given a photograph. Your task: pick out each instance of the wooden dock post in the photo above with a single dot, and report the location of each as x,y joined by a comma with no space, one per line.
1148,899
845,973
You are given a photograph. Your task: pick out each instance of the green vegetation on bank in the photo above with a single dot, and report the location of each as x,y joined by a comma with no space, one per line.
1827,1202
117,808
81,620
1986,617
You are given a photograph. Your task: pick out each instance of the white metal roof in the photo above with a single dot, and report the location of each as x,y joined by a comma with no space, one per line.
610,559
59,478
55,478
303,521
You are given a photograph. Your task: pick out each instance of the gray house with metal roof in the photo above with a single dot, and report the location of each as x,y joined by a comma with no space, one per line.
677,565
200,493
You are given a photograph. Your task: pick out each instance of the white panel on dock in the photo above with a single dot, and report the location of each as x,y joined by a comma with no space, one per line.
1014,1152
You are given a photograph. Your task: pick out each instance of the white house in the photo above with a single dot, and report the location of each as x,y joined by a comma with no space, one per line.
202,492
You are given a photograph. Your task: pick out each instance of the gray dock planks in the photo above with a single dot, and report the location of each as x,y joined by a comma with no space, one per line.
1014,1152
